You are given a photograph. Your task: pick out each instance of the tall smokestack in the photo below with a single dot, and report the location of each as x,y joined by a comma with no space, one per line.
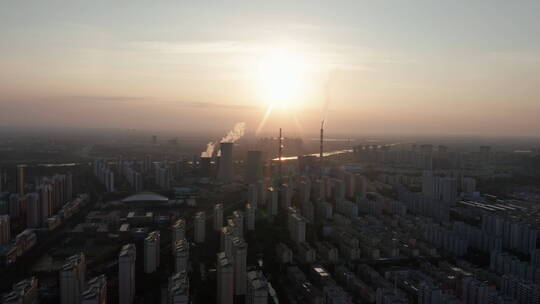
322,136
225,170
280,154
321,150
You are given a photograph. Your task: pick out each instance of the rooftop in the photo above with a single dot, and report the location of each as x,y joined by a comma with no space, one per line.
128,249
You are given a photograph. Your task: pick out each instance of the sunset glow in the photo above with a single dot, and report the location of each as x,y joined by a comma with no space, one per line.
386,66
281,78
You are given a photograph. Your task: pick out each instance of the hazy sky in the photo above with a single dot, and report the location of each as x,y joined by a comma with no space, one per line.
451,67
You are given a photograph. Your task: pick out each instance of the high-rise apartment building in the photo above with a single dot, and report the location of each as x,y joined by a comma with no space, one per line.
271,201
360,186
284,254
233,228
15,205
45,198
178,288
285,196
151,252
442,189
5,229
250,217
162,175
218,217
338,189
261,193
306,253
96,291
126,274
253,166
468,185
21,179
297,229
33,211
238,218
225,170
240,267
199,223
25,291
181,255
178,231
257,288
304,189
253,195
319,190
147,163
350,183
225,279
308,211
73,279
205,166
226,241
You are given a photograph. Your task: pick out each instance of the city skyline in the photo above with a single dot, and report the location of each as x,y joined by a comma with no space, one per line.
264,152
394,67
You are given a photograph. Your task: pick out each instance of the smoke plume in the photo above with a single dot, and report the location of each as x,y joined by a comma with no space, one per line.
232,136
235,133
327,96
209,150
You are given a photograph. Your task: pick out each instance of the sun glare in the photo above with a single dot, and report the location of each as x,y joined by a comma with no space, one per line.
280,78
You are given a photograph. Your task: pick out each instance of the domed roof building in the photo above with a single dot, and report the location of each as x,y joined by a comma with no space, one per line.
145,197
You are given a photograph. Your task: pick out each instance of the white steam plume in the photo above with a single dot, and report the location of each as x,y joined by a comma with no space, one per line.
235,133
232,136
209,150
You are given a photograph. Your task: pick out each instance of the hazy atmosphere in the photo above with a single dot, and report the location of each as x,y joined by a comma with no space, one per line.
453,67
269,152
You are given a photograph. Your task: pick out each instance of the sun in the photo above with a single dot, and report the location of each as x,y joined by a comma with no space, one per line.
280,78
